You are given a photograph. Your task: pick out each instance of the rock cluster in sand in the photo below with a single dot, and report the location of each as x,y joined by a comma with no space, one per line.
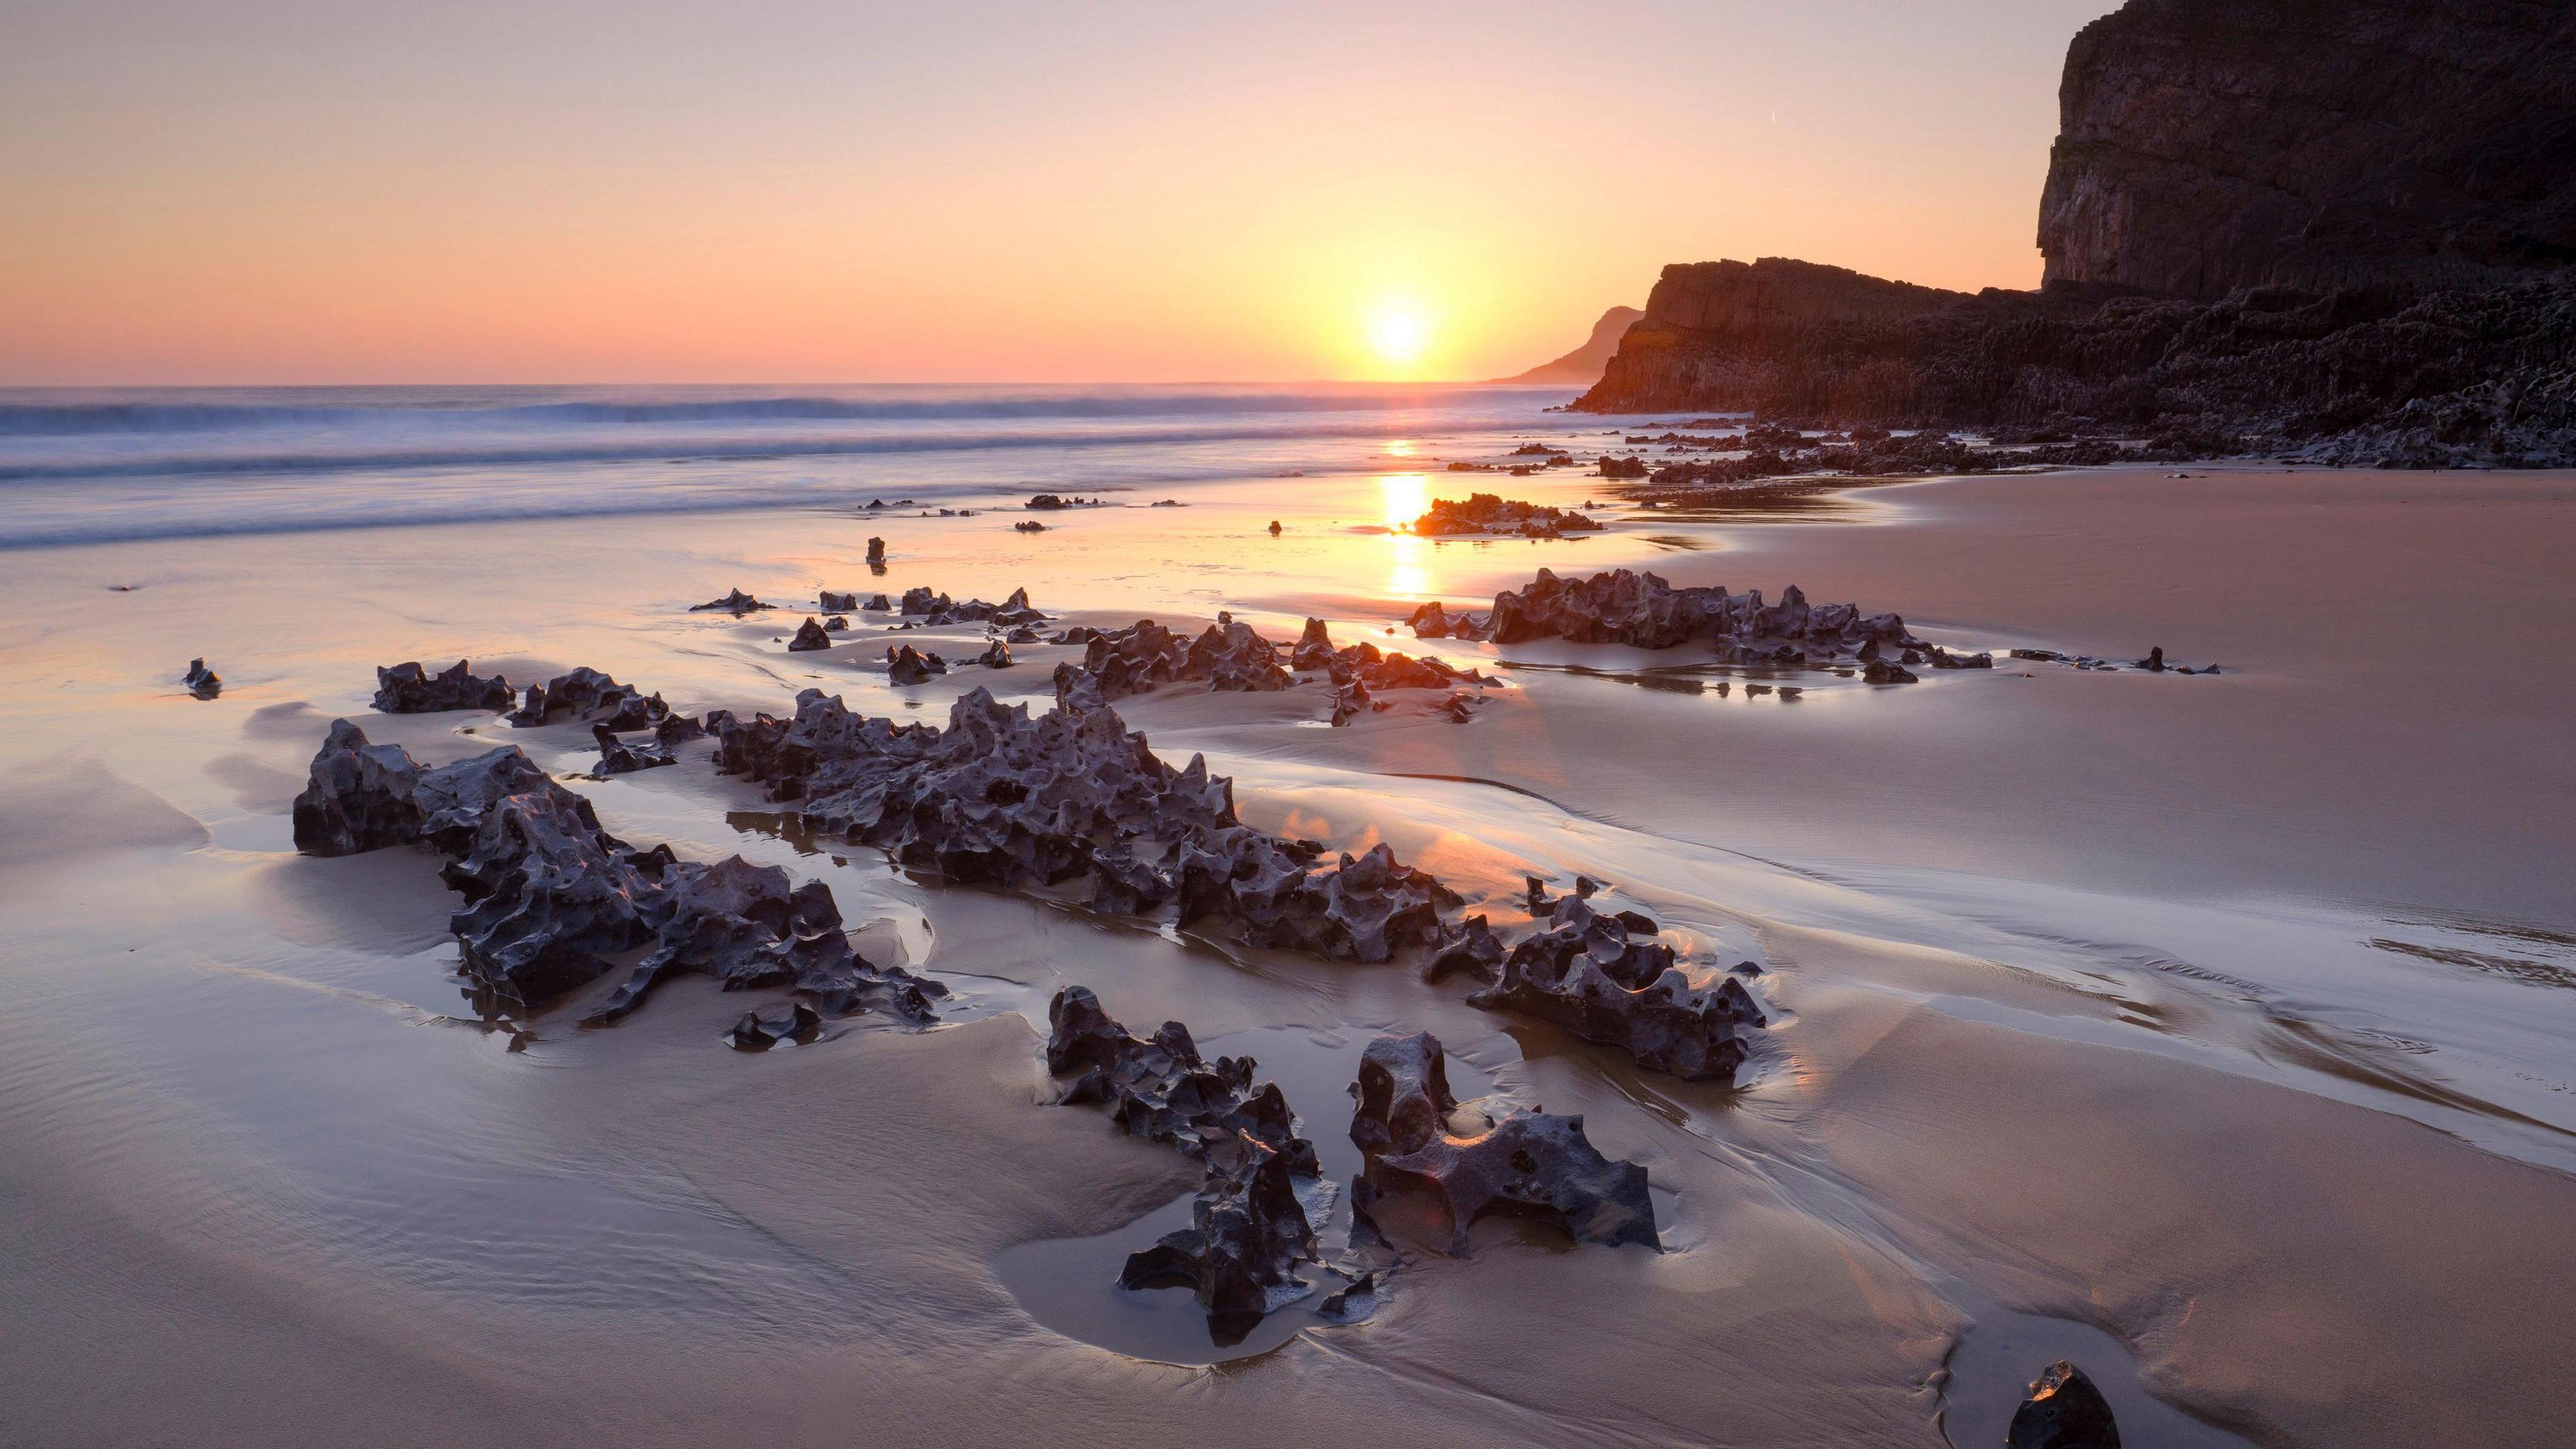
1528,1164
1248,1233
550,895
410,689
1486,513
1645,612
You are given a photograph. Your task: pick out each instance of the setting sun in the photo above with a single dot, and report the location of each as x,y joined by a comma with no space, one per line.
1399,334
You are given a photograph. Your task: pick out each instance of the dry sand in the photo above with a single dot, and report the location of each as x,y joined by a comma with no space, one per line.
2082,1044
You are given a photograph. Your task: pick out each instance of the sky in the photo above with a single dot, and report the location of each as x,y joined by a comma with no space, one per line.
291,191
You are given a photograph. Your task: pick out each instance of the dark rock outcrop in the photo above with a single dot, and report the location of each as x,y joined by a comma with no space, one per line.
1248,1232
736,603
908,666
2205,146
1533,1165
1402,1095
2340,233
202,682
1487,513
1587,975
617,757
2063,1411
1228,655
410,689
832,603
758,1031
551,897
936,610
1645,612
810,636
589,695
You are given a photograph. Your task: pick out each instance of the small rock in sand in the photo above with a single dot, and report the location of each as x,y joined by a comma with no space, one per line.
2064,1411
202,682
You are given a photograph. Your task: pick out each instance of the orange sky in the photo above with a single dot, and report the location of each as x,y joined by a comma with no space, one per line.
289,192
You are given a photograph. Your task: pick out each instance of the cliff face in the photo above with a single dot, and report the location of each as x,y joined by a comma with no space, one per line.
1583,366
2208,145
1714,333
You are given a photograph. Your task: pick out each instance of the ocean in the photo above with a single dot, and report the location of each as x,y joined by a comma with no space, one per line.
91,466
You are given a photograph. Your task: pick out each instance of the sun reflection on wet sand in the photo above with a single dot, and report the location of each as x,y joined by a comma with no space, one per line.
1407,496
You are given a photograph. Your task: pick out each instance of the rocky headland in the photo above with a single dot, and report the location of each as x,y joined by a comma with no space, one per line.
2330,233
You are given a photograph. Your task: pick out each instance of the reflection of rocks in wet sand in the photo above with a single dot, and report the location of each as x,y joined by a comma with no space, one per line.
410,689
1529,1164
2064,1411
1486,513
202,682
1248,1230
550,895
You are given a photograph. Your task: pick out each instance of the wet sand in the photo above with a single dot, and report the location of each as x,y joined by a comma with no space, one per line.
2081,1043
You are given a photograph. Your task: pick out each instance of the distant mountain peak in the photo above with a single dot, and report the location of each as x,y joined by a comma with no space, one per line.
1584,365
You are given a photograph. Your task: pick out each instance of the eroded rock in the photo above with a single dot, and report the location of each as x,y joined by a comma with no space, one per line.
551,898
1486,513
410,689
202,682
832,603
809,637
1530,1164
736,603
1249,1233
907,665
1587,975
2063,1411
1402,1095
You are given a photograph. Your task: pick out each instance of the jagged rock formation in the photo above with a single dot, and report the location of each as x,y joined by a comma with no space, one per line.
2063,1411
202,682
1530,1164
1357,670
1249,1233
2206,146
1643,611
736,603
810,636
616,757
1487,513
1160,1089
589,695
1116,663
758,1031
550,895
1582,367
1402,1094
1587,974
996,655
410,689
935,609
1001,798
908,666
